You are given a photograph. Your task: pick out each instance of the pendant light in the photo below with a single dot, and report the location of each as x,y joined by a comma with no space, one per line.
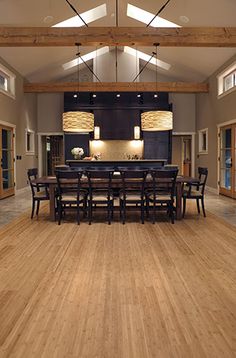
77,121
157,120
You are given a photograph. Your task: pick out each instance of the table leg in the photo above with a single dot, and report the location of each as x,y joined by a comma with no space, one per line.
52,202
179,201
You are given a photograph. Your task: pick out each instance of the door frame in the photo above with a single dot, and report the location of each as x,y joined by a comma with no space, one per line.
219,126
193,150
40,157
13,126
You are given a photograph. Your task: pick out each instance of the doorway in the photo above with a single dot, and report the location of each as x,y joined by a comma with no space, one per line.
227,159
52,153
7,186
182,153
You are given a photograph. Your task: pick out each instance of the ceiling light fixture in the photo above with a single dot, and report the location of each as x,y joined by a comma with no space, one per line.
78,122
157,121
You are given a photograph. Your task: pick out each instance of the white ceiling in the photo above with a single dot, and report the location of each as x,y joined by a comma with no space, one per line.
187,64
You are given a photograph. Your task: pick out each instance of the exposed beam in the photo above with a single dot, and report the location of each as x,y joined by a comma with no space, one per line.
179,87
113,36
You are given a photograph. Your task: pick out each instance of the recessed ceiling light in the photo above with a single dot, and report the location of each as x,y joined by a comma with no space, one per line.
48,19
139,95
118,95
94,95
155,95
75,95
184,19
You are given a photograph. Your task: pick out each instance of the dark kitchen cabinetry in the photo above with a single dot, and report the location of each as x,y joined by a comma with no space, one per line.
117,123
157,145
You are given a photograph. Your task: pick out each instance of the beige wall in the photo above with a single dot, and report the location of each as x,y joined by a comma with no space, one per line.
211,111
50,108
22,112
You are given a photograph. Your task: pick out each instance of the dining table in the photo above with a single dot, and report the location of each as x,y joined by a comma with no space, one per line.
51,182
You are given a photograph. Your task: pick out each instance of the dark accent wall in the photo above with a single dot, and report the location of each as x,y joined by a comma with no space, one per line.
73,140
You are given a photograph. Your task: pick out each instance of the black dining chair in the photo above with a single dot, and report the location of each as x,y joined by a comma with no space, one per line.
160,194
39,191
100,191
132,192
70,194
196,191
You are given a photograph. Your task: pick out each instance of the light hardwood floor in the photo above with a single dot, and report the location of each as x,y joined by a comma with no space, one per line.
118,291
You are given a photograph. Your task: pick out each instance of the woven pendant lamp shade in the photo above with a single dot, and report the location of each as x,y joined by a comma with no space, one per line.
157,121
79,122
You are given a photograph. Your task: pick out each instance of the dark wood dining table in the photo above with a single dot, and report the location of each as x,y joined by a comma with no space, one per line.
116,183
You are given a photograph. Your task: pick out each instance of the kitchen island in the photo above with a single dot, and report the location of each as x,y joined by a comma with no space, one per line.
116,164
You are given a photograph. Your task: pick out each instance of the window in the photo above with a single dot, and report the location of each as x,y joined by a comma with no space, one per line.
203,141
29,141
7,82
227,80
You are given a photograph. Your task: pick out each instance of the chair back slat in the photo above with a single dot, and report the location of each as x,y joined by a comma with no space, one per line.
68,181
163,182
32,174
203,174
133,180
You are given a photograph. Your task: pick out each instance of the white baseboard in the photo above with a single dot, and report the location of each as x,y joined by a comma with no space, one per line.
212,190
22,190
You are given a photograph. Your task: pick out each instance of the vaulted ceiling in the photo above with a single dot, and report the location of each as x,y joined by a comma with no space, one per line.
187,64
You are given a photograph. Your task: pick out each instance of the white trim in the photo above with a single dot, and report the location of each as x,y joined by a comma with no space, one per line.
219,126
220,80
40,159
223,124
200,132
32,140
22,190
12,79
193,135
212,190
4,123
13,126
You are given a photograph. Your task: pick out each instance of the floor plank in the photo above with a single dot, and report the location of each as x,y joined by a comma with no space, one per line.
117,291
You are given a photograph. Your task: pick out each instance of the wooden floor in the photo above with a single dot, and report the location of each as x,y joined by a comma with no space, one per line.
118,291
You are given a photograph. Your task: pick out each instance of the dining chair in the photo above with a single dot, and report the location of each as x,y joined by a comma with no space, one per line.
100,191
39,191
196,191
132,191
70,194
160,195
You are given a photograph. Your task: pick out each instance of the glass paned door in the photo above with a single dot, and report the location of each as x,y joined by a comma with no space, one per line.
227,160
7,162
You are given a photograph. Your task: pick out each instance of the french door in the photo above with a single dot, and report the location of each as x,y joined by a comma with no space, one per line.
228,160
7,162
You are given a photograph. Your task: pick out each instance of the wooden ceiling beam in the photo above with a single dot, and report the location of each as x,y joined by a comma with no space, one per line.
178,87
118,36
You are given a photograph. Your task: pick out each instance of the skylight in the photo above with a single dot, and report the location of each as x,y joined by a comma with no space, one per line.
143,56
88,16
144,16
87,57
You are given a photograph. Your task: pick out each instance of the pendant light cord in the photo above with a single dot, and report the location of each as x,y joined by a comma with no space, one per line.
158,13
